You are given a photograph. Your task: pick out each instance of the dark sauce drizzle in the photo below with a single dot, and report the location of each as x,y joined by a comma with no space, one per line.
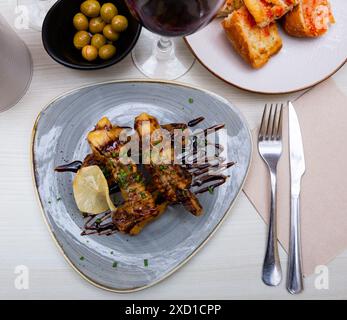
217,179
70,167
194,122
100,224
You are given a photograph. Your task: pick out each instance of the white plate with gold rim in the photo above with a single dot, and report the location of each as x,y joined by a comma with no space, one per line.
300,64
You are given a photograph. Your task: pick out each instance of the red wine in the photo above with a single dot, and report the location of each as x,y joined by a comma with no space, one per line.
174,17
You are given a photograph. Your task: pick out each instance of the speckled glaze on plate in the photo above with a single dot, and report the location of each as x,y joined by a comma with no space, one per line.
60,135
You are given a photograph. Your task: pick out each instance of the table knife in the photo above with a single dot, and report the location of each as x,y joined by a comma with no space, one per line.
297,169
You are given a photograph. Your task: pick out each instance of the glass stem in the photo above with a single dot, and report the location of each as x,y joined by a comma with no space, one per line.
164,49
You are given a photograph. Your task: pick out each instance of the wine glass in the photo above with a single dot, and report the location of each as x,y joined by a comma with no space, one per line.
156,56
36,11
15,66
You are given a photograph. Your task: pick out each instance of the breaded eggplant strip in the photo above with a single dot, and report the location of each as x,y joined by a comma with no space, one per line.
139,204
172,180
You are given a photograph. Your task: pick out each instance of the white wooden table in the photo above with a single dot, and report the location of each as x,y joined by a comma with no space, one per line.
228,267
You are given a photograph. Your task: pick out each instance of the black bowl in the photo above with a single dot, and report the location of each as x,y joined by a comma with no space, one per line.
58,32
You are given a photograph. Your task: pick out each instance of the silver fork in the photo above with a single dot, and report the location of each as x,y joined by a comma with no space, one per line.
270,149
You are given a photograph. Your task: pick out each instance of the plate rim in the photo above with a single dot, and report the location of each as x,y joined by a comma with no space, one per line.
256,91
194,252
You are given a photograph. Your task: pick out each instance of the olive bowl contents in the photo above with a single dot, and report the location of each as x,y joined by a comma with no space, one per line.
81,39
89,52
80,22
97,26
107,51
98,40
70,26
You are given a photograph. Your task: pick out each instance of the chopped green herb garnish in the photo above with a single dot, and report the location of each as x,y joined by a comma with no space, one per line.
161,167
156,142
210,190
122,172
81,258
145,262
105,172
190,100
58,199
98,221
114,154
143,195
122,177
114,264
138,178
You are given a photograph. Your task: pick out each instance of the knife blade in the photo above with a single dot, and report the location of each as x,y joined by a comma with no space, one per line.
296,151
297,169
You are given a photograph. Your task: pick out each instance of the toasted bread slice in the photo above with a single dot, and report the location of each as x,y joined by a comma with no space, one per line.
229,6
267,11
311,18
256,45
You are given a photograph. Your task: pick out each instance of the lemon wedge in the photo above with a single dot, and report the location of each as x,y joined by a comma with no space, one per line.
91,191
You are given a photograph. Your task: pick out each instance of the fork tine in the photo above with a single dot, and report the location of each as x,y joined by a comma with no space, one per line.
263,126
279,131
274,123
269,124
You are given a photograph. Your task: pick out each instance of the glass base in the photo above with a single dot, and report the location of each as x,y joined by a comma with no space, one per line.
16,67
161,58
36,10
12,98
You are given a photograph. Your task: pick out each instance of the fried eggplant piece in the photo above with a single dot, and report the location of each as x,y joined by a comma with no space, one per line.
95,159
172,180
139,205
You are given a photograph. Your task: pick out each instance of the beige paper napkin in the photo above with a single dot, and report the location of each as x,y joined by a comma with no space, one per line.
322,114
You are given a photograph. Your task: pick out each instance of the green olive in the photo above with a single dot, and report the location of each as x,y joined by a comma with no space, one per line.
81,39
108,11
110,34
91,8
96,25
80,22
119,23
89,53
98,40
107,51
